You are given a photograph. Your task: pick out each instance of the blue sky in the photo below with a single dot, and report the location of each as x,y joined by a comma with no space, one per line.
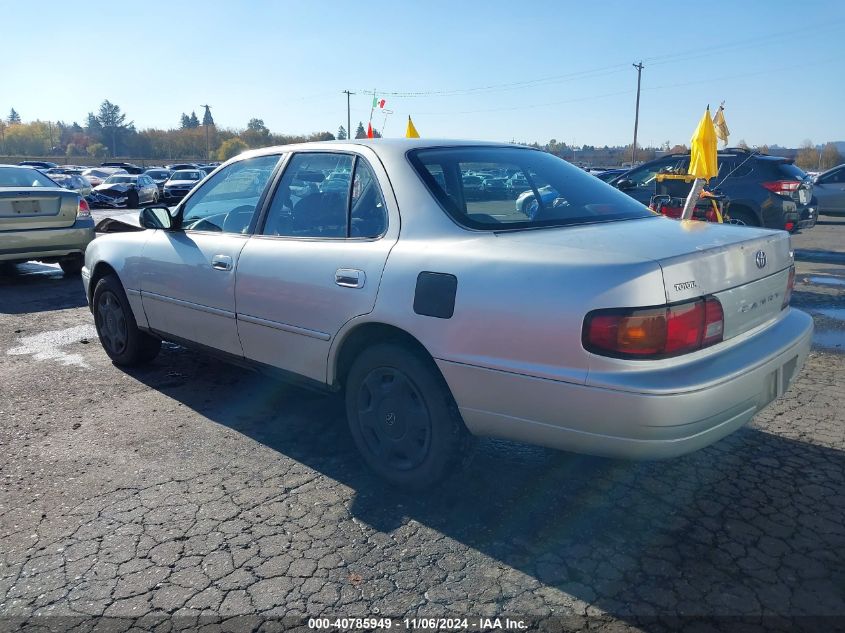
500,70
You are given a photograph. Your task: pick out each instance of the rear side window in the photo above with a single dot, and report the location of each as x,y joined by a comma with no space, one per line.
326,195
496,188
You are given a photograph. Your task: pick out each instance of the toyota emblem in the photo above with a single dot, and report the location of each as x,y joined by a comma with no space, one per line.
760,258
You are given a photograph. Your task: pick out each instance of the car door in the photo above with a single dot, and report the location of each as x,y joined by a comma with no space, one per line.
829,190
188,279
316,261
149,189
641,181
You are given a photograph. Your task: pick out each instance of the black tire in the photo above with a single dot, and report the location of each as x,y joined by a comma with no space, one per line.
72,265
7,269
742,217
119,335
403,418
132,200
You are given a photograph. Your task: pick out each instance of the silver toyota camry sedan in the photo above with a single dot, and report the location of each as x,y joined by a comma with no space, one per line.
587,324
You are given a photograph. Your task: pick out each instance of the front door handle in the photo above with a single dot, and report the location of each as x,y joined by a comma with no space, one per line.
350,278
221,262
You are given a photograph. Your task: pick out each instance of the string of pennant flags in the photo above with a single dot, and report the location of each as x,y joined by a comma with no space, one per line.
379,106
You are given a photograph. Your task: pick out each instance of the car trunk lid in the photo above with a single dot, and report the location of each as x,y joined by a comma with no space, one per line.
745,268
38,208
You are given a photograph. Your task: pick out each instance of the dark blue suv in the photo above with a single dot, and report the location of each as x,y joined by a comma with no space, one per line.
763,190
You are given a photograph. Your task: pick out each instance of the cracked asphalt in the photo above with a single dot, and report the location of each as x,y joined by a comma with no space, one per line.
198,490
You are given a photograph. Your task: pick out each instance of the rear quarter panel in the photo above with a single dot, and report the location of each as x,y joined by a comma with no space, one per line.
516,309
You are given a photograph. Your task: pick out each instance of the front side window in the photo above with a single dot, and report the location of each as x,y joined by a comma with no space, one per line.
518,188
833,178
227,202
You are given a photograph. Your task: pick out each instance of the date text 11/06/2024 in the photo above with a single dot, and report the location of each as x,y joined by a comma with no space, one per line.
435,624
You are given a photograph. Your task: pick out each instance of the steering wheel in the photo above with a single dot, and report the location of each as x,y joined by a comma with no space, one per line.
238,219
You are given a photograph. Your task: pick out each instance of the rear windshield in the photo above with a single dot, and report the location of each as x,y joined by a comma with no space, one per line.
789,170
543,190
24,177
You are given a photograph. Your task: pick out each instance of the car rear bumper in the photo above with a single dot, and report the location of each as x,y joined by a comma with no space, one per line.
46,243
637,415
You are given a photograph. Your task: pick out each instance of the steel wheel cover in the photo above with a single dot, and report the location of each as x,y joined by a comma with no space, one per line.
111,323
393,418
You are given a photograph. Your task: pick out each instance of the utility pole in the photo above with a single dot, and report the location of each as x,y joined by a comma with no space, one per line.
348,115
639,68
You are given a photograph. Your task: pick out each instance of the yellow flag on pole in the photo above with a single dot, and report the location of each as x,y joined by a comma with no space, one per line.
411,131
703,152
721,125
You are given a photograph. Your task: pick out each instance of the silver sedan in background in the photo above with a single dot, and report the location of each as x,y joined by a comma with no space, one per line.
829,190
41,221
590,324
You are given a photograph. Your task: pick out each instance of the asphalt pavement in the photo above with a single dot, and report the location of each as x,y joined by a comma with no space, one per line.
190,490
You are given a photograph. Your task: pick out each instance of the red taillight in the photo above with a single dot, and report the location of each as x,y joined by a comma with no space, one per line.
83,210
783,187
790,283
789,226
654,332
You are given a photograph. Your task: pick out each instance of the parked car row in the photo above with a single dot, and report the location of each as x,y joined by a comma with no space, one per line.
117,184
765,191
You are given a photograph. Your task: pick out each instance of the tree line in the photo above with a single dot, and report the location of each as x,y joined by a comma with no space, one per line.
108,133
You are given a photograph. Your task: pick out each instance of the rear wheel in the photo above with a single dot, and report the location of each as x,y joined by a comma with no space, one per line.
742,217
124,343
403,418
72,265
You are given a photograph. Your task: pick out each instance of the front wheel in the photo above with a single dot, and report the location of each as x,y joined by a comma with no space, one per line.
119,335
132,200
403,418
72,265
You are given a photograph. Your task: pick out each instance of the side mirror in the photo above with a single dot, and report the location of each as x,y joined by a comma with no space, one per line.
157,217
625,185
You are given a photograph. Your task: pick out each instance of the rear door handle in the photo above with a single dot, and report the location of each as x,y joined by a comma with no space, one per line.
350,278
221,262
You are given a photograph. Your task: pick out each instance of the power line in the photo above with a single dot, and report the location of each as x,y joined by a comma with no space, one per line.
669,58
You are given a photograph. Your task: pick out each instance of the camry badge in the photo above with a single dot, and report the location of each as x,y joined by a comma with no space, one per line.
760,258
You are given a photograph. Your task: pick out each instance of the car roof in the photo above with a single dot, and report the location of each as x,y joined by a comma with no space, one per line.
385,147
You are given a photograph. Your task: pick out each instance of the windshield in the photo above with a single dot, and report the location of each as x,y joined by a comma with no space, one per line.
113,179
544,191
187,175
18,177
